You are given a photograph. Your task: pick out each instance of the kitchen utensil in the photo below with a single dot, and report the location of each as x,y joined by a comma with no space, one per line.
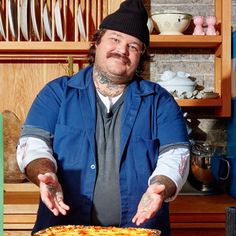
2,30
207,168
12,15
80,22
24,19
47,22
35,17
58,20
171,23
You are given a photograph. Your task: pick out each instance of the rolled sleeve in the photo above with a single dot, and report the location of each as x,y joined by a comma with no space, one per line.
30,149
174,164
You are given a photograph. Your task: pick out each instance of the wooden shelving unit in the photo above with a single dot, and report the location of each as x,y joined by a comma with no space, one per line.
73,45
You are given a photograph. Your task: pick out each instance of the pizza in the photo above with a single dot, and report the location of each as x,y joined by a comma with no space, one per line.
72,230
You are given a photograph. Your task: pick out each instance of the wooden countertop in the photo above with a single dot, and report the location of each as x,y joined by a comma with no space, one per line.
182,204
188,213
201,204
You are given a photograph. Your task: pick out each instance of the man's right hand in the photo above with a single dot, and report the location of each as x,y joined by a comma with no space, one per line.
51,193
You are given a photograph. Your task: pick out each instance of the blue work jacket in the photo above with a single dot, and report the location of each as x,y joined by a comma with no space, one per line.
151,120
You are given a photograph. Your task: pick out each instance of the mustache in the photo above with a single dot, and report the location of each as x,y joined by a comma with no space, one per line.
120,56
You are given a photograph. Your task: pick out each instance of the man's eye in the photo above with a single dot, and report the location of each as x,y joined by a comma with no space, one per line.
115,40
133,48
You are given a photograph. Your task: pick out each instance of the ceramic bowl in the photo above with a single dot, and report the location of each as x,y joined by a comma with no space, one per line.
171,23
177,82
179,88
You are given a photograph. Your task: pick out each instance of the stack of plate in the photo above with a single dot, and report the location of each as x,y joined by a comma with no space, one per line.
32,7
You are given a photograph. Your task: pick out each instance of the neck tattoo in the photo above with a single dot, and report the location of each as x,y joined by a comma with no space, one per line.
104,84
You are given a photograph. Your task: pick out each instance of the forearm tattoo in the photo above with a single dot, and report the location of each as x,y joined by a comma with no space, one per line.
38,166
170,187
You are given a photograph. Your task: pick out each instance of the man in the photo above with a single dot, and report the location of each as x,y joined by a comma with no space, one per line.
105,146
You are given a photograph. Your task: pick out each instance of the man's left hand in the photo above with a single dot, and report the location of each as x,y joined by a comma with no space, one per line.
150,203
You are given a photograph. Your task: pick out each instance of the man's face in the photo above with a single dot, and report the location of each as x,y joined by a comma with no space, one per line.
118,55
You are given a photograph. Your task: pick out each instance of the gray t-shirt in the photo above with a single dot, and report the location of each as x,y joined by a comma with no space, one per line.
106,201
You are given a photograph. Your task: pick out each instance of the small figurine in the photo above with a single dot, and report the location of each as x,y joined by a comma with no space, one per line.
198,21
211,21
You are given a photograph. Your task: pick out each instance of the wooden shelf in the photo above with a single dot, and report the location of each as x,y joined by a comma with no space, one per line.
156,41
44,47
185,41
200,102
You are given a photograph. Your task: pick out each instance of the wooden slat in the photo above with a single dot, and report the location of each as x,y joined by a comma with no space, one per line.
19,219
198,218
20,208
198,225
18,226
21,187
17,233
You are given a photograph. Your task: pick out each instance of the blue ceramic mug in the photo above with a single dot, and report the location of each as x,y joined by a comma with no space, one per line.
221,168
232,177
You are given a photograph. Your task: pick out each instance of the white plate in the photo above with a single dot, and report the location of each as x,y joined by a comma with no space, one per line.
47,22
35,16
58,20
2,31
80,22
12,15
24,19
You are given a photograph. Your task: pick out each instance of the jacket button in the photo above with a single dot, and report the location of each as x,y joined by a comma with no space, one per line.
93,167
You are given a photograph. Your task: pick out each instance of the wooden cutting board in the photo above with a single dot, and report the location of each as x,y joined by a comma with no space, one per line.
11,133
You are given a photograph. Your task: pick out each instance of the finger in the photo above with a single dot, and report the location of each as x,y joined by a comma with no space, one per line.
60,200
51,207
139,218
63,205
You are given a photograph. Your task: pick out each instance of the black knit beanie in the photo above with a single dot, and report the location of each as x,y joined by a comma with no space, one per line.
131,18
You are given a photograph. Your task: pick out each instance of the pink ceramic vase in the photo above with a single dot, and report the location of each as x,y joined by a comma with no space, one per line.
211,21
198,22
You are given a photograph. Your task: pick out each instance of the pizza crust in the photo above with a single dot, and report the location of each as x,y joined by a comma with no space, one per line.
72,230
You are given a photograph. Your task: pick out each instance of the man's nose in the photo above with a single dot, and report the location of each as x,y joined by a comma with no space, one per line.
123,48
